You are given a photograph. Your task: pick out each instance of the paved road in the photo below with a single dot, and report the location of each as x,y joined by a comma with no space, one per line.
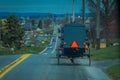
7,59
44,67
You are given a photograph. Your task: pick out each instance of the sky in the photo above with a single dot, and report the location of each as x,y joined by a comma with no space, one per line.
43,6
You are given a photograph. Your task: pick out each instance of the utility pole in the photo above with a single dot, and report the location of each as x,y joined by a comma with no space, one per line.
83,11
0,33
73,15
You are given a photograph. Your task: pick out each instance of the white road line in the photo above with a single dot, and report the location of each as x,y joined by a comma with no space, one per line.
43,51
55,45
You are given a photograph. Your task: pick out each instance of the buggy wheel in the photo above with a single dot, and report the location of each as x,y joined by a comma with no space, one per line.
89,60
72,60
58,60
89,56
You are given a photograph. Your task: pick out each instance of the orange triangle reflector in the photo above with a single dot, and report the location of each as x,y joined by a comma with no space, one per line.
74,45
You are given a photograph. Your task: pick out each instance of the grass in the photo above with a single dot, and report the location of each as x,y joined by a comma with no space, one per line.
114,72
23,50
32,50
109,53
4,51
112,52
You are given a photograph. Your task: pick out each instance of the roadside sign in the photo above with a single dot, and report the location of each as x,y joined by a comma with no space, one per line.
102,45
42,42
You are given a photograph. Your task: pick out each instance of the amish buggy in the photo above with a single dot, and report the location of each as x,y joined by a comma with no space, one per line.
73,43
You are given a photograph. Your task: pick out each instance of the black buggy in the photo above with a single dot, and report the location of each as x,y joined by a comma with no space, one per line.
73,42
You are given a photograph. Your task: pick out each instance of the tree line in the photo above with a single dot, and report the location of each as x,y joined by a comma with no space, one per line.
104,23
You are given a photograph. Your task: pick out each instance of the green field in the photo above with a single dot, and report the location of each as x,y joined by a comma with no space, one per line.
112,52
114,72
109,53
24,49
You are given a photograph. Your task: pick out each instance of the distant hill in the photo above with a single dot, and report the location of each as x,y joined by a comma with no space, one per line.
35,14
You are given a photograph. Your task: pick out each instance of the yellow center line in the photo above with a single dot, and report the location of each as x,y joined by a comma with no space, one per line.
13,64
7,66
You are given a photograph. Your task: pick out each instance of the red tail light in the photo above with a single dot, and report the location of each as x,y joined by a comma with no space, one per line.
86,49
62,49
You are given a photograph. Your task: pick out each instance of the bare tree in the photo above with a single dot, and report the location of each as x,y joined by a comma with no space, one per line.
98,26
105,9
46,25
65,20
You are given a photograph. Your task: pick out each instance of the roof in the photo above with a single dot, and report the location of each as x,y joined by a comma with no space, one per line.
26,26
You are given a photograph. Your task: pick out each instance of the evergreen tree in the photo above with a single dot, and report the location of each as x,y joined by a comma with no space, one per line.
33,22
40,24
14,32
